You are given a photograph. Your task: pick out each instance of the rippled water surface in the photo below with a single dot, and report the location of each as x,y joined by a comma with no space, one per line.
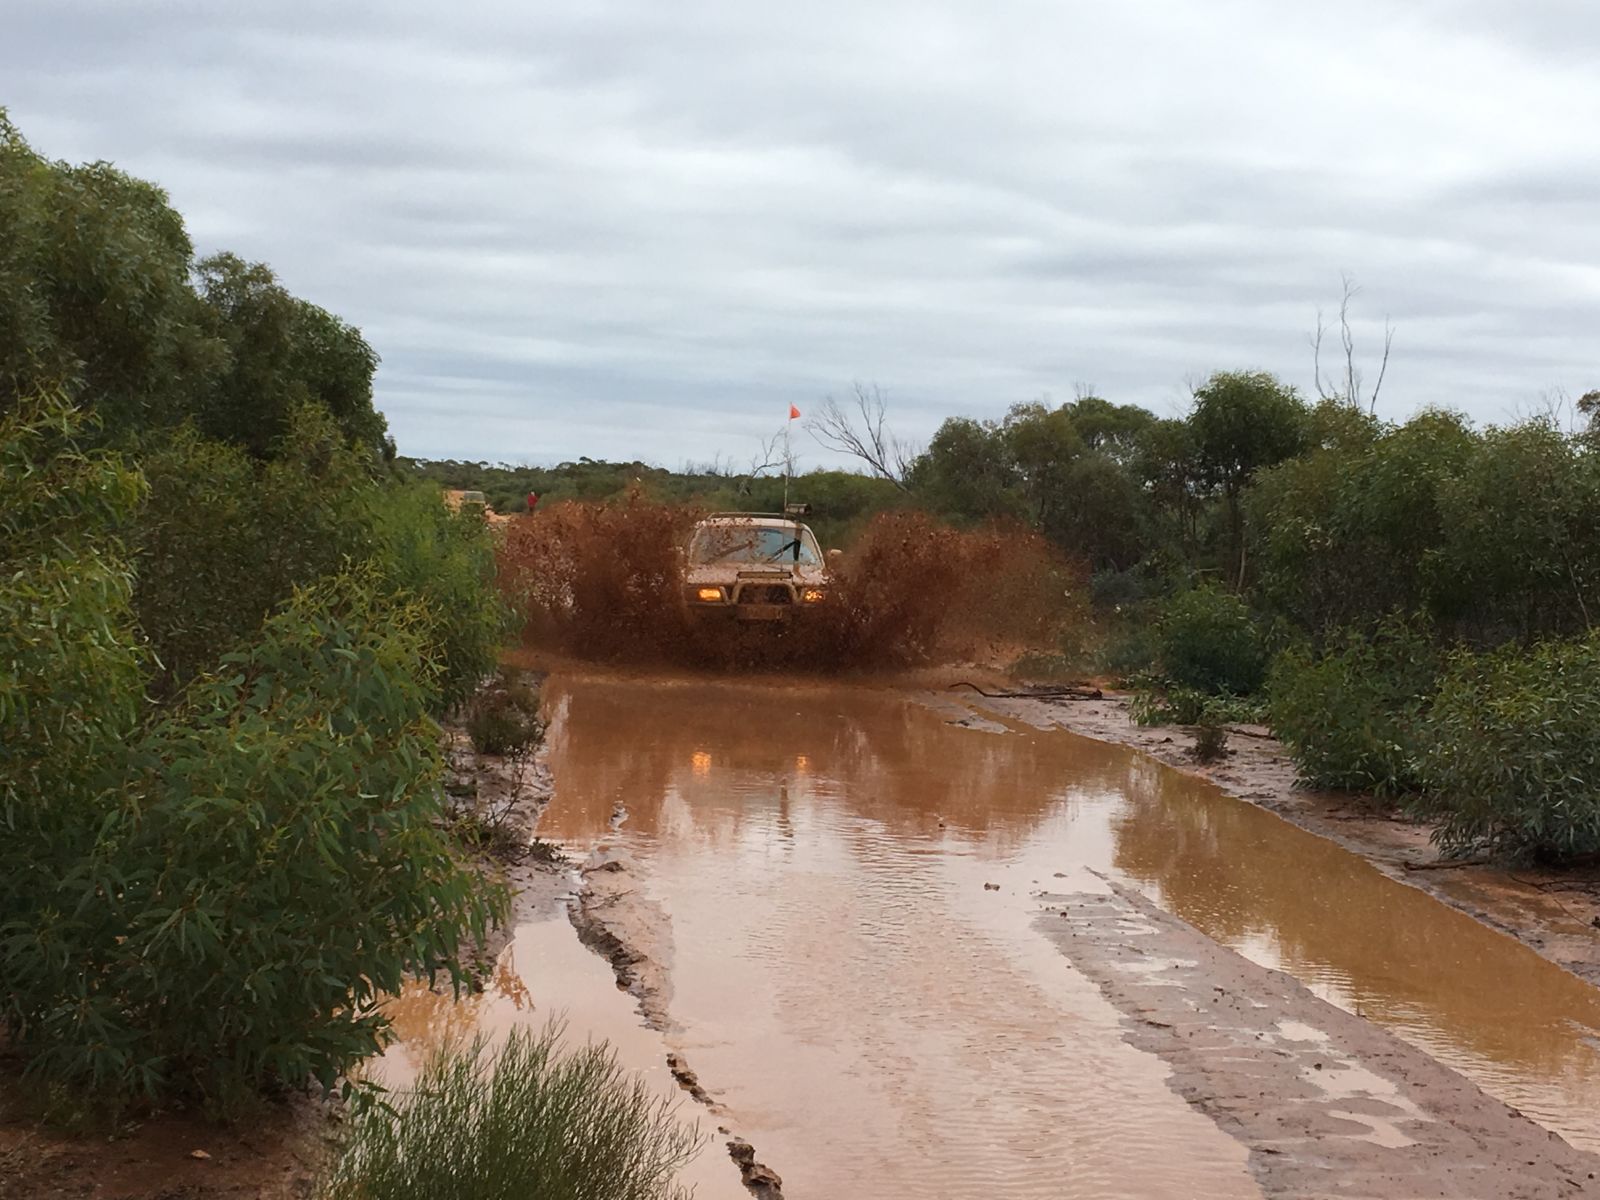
849,878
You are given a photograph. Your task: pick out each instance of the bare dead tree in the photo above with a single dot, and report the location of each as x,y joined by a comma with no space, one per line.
771,452
719,467
860,429
1348,390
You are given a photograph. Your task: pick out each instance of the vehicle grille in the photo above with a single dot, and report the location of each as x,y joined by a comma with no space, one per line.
765,594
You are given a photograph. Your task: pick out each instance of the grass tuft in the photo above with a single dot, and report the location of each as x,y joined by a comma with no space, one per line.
536,1122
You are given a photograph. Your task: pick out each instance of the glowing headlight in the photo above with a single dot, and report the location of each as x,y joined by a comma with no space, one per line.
813,595
711,595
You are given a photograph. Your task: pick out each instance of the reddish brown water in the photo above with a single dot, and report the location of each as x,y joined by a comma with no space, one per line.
879,1023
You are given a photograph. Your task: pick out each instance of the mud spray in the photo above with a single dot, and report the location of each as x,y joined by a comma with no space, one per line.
606,582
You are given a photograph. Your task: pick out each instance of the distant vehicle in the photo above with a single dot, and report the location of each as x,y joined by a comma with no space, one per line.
459,501
754,567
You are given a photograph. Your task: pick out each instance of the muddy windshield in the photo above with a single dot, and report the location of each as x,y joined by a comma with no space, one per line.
754,544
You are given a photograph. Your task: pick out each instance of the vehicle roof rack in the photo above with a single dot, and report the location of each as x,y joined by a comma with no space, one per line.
789,513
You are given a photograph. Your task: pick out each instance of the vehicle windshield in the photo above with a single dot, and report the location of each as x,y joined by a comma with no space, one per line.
754,544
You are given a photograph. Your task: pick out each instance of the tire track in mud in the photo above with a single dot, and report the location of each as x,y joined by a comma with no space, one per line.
613,916
1327,1103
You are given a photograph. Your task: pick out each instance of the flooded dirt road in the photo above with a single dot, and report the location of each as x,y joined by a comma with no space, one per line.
837,903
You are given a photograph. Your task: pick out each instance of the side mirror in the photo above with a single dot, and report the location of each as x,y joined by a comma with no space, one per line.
835,555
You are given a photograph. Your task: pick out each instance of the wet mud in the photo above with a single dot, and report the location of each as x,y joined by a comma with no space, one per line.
615,915
1328,1104
277,1157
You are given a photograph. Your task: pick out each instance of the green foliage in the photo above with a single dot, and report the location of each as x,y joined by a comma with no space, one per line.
1353,716
1353,530
1209,642
1491,534
304,778
226,538
282,354
94,290
70,679
1160,702
1129,650
1519,548
1068,471
98,295
503,718
445,561
1510,761
966,473
177,888
537,1123
1243,422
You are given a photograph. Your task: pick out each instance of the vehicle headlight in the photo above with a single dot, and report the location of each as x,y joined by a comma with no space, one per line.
813,595
710,595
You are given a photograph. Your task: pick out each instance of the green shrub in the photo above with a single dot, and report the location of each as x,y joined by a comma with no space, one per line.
503,716
1210,741
445,560
206,945
498,727
537,1123
1156,702
1207,641
210,902
225,539
1512,762
1352,717
71,695
1129,651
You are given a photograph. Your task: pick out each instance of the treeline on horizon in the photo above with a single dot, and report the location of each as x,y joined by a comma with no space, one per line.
1318,510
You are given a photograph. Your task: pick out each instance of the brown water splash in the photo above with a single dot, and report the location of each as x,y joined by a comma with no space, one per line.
605,582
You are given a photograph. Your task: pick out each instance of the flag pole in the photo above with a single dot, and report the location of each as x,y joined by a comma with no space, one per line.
788,456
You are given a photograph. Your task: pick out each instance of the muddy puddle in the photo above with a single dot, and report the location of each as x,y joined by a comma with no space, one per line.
543,974
849,878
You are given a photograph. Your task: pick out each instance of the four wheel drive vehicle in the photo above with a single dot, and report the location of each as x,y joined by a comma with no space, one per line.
459,501
753,567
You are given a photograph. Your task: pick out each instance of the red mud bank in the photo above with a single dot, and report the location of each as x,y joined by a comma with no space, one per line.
1554,913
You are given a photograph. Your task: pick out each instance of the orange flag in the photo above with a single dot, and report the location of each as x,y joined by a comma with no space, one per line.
793,412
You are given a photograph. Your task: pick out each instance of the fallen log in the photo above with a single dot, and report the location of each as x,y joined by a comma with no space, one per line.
1445,864
1061,693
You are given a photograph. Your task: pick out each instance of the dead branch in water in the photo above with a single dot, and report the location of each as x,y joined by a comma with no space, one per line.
1448,864
1061,693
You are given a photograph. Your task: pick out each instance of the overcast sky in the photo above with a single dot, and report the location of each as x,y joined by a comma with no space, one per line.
642,229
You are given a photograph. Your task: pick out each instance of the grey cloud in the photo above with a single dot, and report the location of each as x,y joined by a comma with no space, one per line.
631,229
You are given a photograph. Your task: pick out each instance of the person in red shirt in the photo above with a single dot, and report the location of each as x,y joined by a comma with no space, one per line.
533,501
